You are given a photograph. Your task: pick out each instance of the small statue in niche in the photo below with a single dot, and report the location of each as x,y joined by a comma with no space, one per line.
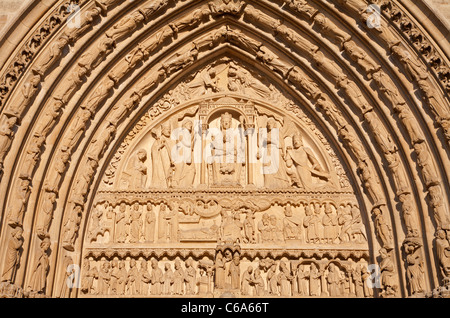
141,169
276,231
443,253
388,280
184,166
234,272
150,221
305,162
220,268
329,222
133,281
310,223
249,228
272,282
104,277
135,223
144,276
190,278
227,153
314,280
168,224
271,154
302,283
156,278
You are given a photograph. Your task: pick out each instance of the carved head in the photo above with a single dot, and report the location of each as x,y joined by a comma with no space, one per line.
142,155
149,206
250,269
132,263
136,206
123,207
167,267
143,264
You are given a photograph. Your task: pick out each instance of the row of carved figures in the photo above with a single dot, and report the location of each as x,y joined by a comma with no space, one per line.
282,278
321,224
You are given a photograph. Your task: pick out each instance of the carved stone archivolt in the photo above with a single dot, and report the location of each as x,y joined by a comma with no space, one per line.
225,146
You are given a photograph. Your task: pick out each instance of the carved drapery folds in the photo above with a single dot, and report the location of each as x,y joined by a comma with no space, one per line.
260,146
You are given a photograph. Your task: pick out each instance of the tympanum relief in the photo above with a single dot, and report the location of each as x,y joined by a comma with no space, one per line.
226,185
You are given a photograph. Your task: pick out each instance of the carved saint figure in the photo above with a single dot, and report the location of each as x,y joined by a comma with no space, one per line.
388,280
247,281
291,224
190,278
314,280
443,253
38,279
178,278
104,277
284,280
47,212
12,255
145,278
234,272
184,167
135,223
415,271
162,161
133,281
121,222
220,269
6,134
334,281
